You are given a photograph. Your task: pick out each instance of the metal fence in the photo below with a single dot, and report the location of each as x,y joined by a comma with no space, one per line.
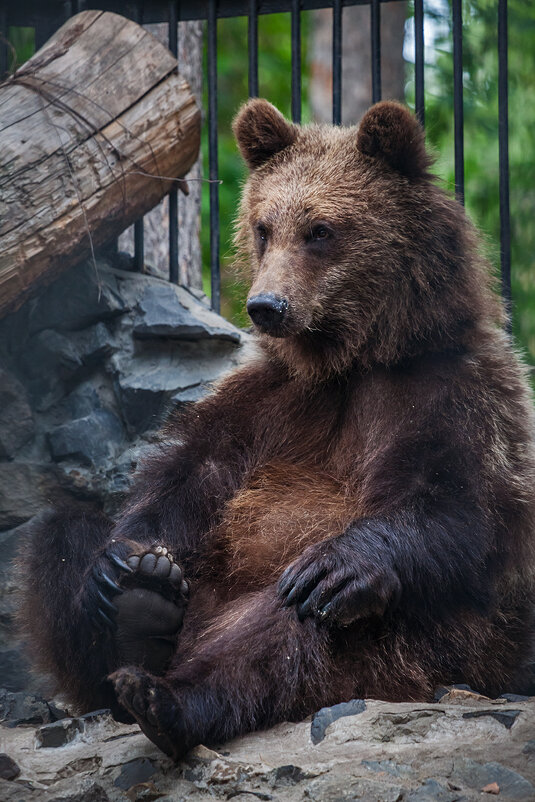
45,16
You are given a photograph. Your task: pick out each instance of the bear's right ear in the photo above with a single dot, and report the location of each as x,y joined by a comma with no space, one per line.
261,131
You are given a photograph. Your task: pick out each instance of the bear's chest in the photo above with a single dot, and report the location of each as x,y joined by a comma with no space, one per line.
283,508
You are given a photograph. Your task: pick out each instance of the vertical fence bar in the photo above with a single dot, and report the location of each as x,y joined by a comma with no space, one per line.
296,61
419,51
212,156
4,49
252,39
139,233
503,134
376,49
173,195
458,97
337,62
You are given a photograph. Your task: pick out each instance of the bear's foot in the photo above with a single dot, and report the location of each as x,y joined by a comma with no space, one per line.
154,707
143,607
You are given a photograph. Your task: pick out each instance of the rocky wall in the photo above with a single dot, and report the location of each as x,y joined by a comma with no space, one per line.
88,371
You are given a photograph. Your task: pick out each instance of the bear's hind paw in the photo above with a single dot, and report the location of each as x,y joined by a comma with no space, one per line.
153,706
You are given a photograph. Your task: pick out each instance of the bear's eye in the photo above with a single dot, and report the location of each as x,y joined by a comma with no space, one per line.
261,231
320,232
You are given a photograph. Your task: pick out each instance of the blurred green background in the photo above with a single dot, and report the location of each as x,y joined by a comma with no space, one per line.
480,63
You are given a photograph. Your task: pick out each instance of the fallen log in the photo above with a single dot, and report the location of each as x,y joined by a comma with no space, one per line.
93,128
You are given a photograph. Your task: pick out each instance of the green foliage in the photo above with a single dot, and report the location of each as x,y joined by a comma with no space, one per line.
480,81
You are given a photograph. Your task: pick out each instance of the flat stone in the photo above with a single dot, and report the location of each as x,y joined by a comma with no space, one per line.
17,425
477,775
337,786
93,344
433,791
134,772
146,386
59,733
324,717
92,439
505,717
15,669
25,489
529,748
18,708
82,296
171,312
287,775
388,767
9,770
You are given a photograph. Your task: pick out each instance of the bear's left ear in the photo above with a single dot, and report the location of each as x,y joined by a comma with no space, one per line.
388,131
261,131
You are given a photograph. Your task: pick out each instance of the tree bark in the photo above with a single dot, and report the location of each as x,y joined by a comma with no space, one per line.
90,126
356,60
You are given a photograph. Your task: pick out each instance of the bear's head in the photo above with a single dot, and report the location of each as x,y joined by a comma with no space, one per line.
357,257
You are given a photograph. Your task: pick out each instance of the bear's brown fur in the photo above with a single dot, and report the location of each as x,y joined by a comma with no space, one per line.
355,511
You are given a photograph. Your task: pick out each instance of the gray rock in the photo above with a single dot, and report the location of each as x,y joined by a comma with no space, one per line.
25,489
16,420
134,772
433,791
478,775
93,344
287,775
337,786
93,793
82,296
327,715
170,311
15,669
9,770
505,717
58,733
23,708
91,440
388,767
529,748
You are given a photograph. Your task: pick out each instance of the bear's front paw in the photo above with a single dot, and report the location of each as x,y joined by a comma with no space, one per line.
141,598
335,585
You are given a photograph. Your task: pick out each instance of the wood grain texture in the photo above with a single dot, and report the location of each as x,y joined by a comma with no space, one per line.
89,128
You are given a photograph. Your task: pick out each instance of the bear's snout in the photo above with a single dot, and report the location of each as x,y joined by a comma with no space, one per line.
268,311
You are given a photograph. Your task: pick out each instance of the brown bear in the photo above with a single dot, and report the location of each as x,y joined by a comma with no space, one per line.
353,513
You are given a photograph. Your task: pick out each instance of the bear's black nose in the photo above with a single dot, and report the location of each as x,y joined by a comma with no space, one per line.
267,311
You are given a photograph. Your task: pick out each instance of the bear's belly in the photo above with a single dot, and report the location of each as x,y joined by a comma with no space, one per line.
283,509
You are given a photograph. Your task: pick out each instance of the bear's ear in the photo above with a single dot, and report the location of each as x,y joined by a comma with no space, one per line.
389,131
261,131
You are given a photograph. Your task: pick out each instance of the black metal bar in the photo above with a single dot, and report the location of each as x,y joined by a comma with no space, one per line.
4,49
173,195
139,246
376,49
139,234
419,98
212,157
503,134
458,97
296,61
337,62
252,38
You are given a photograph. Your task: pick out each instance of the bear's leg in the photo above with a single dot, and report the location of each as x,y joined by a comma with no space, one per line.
86,610
254,666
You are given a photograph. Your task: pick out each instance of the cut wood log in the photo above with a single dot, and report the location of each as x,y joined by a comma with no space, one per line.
93,130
